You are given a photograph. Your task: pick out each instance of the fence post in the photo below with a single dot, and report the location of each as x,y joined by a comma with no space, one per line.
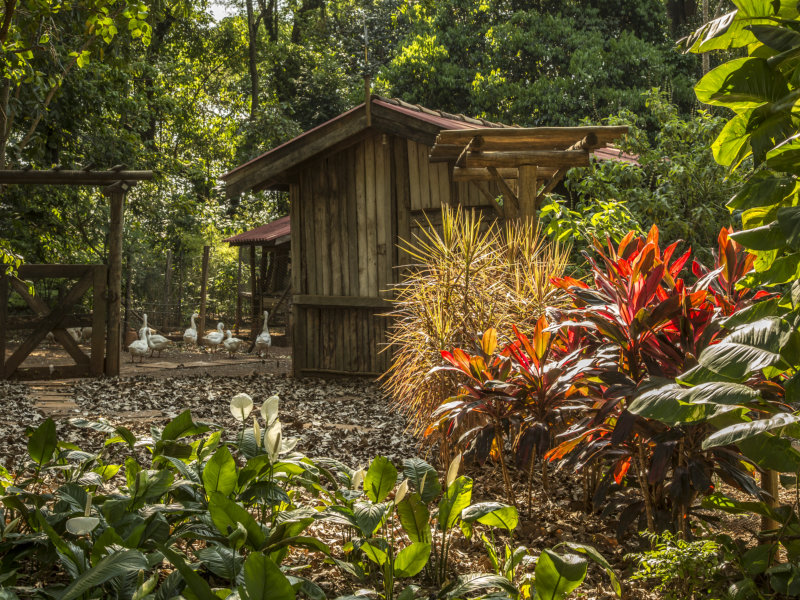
167,282
239,292
203,286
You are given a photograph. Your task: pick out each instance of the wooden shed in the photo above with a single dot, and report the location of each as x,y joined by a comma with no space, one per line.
357,184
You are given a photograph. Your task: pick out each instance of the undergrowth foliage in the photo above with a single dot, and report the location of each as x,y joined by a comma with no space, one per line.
195,512
464,277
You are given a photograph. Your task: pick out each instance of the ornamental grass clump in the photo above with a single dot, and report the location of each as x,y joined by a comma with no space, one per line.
465,277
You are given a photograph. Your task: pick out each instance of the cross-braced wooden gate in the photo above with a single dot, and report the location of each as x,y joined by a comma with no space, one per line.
56,320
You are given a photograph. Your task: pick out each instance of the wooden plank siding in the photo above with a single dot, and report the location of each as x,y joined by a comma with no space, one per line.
349,209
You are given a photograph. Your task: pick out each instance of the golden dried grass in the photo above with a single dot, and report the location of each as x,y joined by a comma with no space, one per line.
465,277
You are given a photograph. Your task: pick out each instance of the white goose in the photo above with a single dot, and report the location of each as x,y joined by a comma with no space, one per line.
190,335
264,339
144,327
140,346
157,342
214,339
231,344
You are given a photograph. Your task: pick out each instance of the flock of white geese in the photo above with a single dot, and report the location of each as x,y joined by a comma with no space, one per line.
151,342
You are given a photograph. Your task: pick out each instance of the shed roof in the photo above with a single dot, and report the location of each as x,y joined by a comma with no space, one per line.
271,233
272,170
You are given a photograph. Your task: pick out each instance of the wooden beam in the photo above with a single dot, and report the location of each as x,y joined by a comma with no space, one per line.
61,335
50,271
114,341
484,189
340,301
323,372
483,174
49,323
270,165
527,188
508,193
555,135
72,177
553,158
559,175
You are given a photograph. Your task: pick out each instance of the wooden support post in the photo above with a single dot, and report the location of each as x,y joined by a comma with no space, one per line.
128,279
3,330
254,292
203,285
99,321
528,186
116,194
239,293
769,482
167,281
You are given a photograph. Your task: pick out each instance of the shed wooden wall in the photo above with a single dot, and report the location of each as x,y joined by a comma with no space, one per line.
348,210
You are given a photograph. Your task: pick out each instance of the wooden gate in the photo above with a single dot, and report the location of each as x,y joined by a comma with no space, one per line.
56,320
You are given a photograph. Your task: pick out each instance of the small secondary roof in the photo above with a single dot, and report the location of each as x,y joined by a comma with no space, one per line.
274,233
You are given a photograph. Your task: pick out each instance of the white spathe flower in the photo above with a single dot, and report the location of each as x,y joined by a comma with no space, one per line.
452,471
269,410
241,405
402,490
357,479
257,432
82,525
87,509
272,440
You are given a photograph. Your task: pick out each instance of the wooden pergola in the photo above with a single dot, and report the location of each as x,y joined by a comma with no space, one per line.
116,182
525,163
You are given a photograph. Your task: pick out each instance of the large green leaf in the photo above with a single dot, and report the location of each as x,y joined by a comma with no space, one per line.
181,426
226,513
766,237
742,431
380,479
43,442
747,349
415,517
771,452
557,576
493,514
762,190
368,516
113,565
467,586
219,474
776,37
221,561
785,269
455,499
592,553
789,221
195,583
411,559
732,144
263,580
741,84
418,472
664,404
720,392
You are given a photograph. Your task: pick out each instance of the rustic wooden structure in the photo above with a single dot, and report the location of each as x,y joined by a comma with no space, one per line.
269,283
357,184
535,159
116,183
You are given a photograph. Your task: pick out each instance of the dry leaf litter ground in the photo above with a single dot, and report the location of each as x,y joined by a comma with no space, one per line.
346,419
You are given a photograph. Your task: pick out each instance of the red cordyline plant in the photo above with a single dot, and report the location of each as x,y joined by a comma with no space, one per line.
534,388
646,326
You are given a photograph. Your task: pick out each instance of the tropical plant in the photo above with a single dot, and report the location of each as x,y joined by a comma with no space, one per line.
532,388
466,276
680,568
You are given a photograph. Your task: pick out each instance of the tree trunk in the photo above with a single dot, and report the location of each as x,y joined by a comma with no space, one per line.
252,34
